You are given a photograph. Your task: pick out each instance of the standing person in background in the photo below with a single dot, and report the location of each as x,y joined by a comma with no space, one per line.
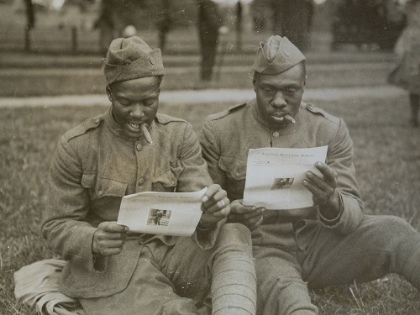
407,72
209,22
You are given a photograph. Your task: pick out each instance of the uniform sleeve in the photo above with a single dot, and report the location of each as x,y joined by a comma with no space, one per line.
64,226
340,158
211,153
195,177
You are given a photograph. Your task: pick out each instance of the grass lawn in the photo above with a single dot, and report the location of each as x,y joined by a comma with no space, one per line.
387,158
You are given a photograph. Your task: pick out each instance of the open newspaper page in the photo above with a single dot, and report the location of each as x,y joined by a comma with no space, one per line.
274,177
166,213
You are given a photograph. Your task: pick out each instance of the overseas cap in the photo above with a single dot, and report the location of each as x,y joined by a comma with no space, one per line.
131,58
276,55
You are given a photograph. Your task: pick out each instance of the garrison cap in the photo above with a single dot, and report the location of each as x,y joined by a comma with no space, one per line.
276,55
131,58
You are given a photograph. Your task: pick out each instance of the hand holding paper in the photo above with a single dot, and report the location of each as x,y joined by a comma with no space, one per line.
169,213
215,205
323,189
109,239
275,176
249,216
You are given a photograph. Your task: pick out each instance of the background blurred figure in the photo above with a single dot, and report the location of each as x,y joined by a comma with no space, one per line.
407,72
209,22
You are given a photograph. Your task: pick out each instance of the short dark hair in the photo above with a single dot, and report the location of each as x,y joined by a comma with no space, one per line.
302,65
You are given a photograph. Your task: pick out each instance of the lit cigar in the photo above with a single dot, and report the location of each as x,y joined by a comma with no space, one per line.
146,133
290,118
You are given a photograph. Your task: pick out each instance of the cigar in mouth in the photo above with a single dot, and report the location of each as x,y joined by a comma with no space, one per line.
290,119
146,133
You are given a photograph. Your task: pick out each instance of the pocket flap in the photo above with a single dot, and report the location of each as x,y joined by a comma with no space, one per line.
110,187
167,179
88,180
234,167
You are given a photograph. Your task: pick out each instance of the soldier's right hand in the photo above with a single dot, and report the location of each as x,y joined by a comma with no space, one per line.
109,238
250,216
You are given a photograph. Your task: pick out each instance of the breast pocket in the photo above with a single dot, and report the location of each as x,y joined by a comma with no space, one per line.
105,196
100,187
235,170
168,180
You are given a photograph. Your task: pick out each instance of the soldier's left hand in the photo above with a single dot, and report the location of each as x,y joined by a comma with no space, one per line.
323,189
215,205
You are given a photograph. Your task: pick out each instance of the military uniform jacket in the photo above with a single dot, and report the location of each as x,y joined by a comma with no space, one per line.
94,166
227,136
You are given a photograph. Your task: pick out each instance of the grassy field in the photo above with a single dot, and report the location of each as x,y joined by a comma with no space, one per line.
387,158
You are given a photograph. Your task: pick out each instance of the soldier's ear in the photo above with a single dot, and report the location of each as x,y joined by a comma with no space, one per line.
108,92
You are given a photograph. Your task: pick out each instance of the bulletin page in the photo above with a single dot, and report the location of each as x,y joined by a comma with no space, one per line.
274,177
169,213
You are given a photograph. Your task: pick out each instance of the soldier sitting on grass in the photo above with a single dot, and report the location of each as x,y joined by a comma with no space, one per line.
131,149
327,244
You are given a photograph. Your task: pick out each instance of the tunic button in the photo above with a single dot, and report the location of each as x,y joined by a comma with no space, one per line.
141,181
100,193
139,147
276,134
237,173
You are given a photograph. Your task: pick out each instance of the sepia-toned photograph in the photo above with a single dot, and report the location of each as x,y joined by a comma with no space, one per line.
159,217
281,183
102,100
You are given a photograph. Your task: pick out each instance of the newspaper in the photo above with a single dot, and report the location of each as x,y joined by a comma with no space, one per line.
166,213
274,177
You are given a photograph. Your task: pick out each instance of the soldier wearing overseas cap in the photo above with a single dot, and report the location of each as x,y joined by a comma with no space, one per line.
329,243
131,149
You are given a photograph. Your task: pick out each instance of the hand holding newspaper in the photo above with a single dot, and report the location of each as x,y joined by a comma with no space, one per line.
274,177
166,213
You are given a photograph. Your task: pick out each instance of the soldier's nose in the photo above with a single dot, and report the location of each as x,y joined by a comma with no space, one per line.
137,111
278,100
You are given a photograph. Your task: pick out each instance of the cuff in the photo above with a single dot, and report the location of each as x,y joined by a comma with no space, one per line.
85,256
205,238
330,223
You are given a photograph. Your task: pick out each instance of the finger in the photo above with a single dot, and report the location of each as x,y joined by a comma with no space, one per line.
316,181
112,227
111,236
110,251
329,173
245,216
240,209
256,225
319,196
219,198
211,190
223,203
111,243
222,213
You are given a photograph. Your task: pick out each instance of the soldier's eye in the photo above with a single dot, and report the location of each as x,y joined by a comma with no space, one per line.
149,103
